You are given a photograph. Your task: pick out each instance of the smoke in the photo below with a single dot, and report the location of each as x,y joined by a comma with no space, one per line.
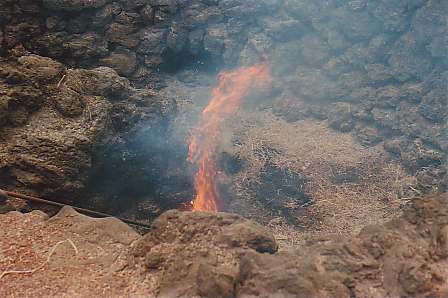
359,64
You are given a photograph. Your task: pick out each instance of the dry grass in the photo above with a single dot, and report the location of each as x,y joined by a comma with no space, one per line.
351,186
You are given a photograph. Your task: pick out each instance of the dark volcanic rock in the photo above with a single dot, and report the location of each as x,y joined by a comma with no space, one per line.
101,81
73,5
122,34
124,63
67,115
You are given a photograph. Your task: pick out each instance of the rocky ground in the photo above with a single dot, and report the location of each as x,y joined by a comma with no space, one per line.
221,255
97,98
55,122
380,77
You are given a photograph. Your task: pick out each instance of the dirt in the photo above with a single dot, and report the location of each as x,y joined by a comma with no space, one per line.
85,259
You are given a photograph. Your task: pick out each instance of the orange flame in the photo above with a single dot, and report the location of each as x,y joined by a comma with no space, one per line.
227,96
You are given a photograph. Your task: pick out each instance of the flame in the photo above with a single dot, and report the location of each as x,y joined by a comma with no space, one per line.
227,96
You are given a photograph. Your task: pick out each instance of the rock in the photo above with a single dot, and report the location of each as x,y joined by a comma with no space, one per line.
73,5
417,155
43,68
412,92
105,15
49,44
340,117
314,51
53,152
196,253
177,38
73,236
281,276
122,34
432,178
129,19
85,46
284,30
69,102
407,61
337,267
378,72
19,95
394,15
78,24
385,118
379,48
107,230
286,58
101,81
124,63
356,25
240,235
196,39
137,4
315,85
387,97
434,106
150,41
214,40
335,39
3,197
395,146
290,109
429,22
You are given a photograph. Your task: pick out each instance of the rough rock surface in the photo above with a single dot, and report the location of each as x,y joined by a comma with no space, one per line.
222,255
197,253
53,119
405,257
384,60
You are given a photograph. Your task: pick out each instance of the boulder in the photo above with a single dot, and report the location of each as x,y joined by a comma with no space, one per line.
100,81
124,62
197,253
43,68
84,47
340,117
122,35
69,102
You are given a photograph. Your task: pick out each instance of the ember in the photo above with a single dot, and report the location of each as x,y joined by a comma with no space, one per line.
227,96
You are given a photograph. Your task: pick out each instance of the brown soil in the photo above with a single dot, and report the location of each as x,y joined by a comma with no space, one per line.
75,256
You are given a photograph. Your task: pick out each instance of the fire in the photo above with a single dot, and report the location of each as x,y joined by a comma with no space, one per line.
227,96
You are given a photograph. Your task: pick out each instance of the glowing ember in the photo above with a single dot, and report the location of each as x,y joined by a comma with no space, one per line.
232,87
